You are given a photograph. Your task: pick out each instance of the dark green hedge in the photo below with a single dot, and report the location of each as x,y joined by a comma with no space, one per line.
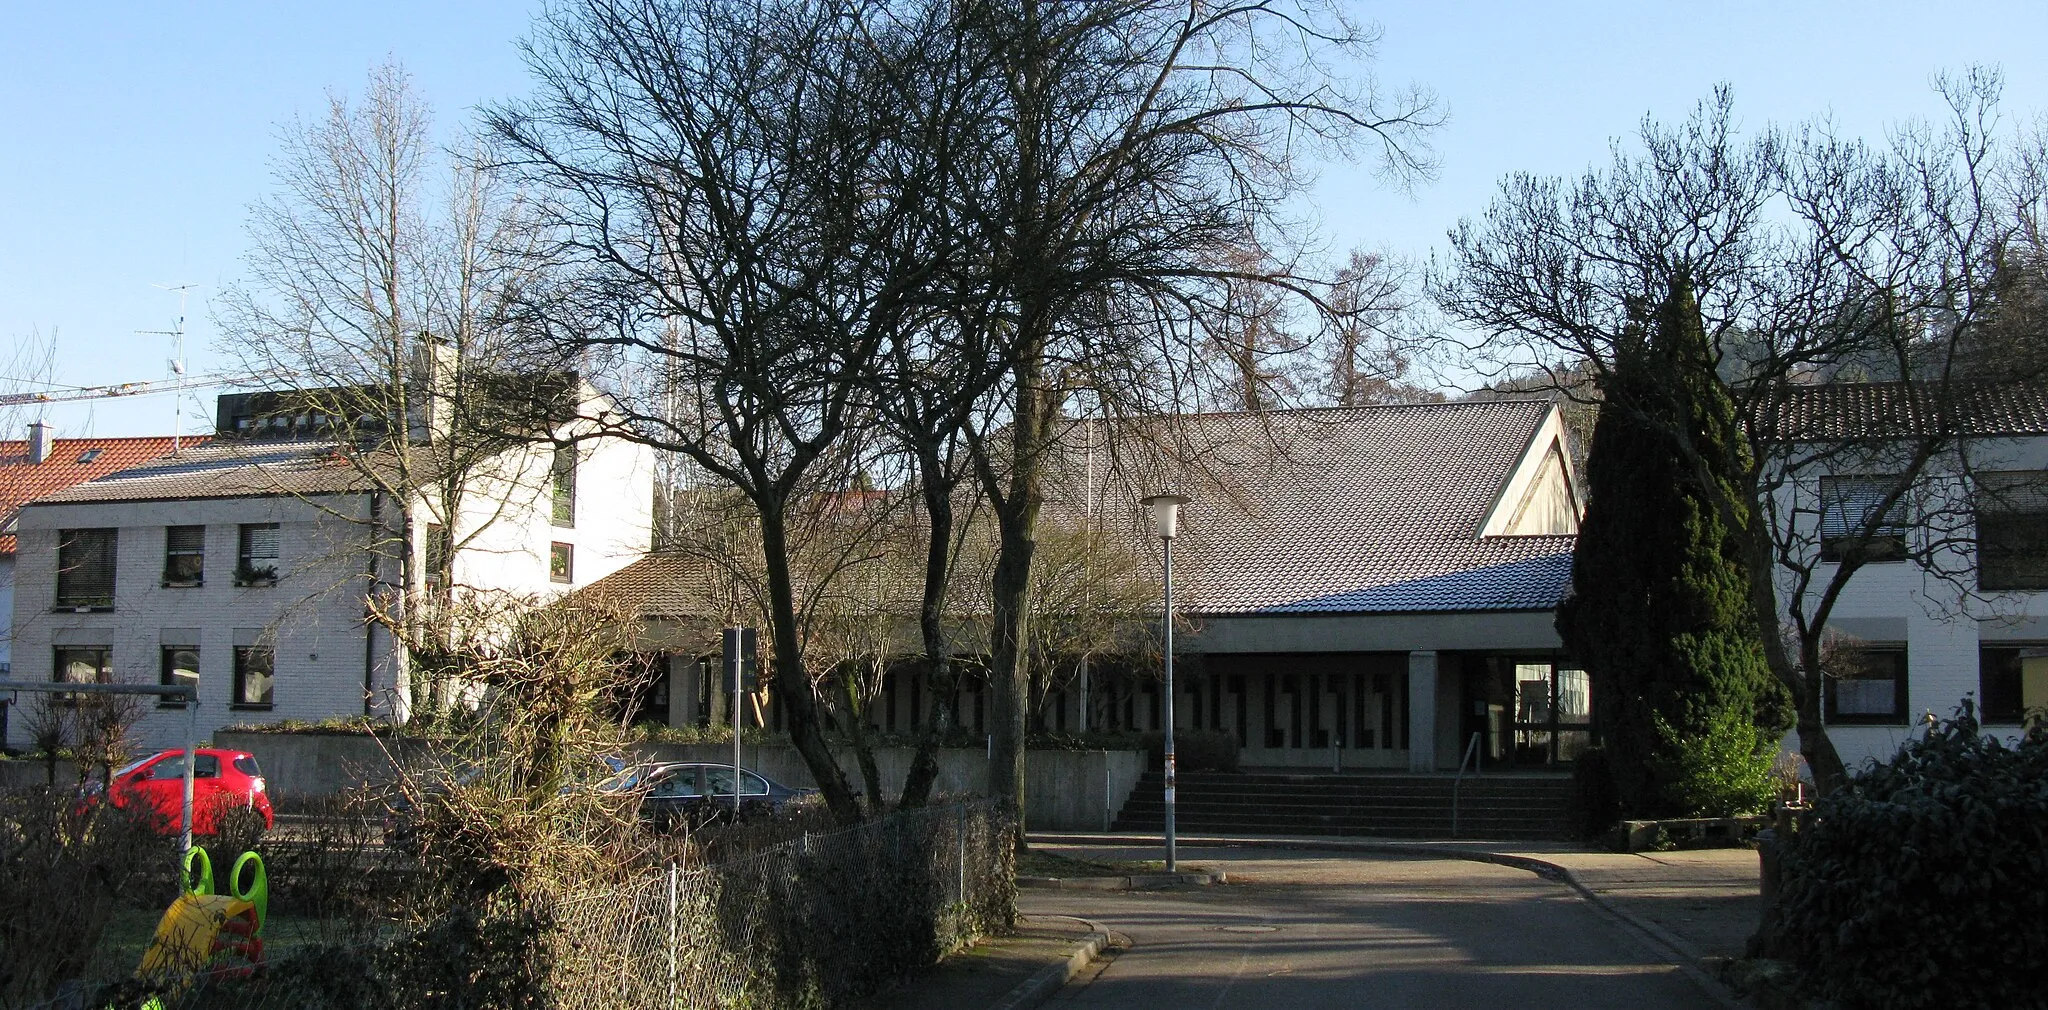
1924,882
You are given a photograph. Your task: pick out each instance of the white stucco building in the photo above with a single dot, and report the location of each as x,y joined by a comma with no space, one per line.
1954,601
247,564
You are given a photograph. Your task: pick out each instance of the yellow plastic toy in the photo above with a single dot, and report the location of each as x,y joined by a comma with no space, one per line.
207,932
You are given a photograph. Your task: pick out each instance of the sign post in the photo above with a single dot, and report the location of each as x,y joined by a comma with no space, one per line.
741,661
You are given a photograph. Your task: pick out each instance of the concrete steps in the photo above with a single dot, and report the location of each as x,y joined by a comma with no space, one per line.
1518,806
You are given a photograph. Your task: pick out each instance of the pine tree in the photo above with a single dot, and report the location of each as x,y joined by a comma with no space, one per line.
1658,613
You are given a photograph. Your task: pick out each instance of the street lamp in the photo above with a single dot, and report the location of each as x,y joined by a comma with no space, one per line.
1166,523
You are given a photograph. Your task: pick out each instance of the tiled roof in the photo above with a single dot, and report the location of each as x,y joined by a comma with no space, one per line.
226,469
1352,510
1347,510
70,461
1878,410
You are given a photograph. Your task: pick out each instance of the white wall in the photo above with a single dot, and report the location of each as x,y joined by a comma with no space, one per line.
312,617
1940,619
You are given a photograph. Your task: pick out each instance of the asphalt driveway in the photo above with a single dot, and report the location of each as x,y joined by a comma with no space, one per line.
1349,931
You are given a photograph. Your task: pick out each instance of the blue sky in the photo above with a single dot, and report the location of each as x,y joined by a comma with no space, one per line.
133,137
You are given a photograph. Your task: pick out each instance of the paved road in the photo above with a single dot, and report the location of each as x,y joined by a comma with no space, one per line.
1363,931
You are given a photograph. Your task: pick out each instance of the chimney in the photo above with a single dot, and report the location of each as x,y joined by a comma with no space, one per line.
38,442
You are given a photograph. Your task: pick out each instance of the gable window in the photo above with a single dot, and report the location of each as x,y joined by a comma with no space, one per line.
1850,526
256,558
562,562
1867,684
184,555
2012,530
180,667
2012,683
85,569
563,478
255,667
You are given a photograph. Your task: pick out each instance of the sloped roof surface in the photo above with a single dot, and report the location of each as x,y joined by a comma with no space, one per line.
1877,410
226,469
1347,510
70,461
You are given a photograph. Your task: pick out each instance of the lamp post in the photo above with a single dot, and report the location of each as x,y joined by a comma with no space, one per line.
1166,523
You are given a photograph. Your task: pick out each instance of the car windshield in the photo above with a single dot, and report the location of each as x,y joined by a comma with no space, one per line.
132,765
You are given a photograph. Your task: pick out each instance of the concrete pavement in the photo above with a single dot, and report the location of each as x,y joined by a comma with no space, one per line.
1391,924
1316,930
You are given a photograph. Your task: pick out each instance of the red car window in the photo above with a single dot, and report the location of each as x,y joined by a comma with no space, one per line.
173,767
247,766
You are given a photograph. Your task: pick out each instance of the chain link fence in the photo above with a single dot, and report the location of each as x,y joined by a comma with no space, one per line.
818,921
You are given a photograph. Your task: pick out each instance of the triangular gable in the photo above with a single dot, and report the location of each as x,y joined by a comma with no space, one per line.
1541,496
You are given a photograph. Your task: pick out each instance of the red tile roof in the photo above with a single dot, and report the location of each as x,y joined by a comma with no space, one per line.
71,461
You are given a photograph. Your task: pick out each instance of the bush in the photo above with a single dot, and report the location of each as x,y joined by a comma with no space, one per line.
1722,770
1919,884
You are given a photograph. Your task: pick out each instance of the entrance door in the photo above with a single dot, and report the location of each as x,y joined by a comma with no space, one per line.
1553,719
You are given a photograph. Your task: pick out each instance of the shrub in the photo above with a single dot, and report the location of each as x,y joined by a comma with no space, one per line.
1919,883
1723,769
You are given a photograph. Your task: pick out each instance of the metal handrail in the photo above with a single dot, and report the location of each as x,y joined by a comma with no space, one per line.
1471,758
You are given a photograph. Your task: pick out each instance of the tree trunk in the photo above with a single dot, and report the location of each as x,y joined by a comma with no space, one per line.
940,676
799,708
863,751
1814,743
1017,523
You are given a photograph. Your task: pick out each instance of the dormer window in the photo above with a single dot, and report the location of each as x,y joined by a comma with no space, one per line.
89,455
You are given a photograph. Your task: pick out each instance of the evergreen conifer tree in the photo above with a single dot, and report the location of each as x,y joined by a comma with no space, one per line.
1658,612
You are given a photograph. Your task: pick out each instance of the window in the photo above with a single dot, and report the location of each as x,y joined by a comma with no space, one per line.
2012,530
180,667
85,569
254,674
184,555
89,455
1850,527
439,547
563,473
2011,683
561,562
1868,685
257,557
207,766
82,664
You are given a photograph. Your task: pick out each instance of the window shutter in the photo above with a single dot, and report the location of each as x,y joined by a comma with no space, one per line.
259,540
1847,503
85,568
185,539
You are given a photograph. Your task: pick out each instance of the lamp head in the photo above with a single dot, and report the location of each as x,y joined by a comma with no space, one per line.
1166,514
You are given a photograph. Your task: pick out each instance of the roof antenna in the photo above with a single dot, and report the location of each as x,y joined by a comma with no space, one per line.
175,367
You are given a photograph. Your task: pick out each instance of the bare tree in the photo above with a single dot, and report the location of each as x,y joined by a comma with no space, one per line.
374,298
1812,256
1143,138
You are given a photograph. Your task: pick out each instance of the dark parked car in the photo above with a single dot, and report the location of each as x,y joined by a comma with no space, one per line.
692,792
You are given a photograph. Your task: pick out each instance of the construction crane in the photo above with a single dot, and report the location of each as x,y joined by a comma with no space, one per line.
145,387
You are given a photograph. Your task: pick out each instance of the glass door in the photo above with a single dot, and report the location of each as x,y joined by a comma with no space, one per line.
1553,713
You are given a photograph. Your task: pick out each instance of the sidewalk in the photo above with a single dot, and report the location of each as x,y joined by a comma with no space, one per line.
1702,903
993,971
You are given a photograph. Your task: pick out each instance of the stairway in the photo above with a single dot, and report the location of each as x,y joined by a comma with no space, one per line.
1387,805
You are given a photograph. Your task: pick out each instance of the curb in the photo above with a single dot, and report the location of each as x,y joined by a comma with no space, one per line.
1048,980
1682,955
1133,882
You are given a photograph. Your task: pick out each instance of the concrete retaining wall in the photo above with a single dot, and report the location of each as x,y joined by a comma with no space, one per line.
1065,790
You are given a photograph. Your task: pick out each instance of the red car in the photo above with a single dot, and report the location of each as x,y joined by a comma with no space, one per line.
221,780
